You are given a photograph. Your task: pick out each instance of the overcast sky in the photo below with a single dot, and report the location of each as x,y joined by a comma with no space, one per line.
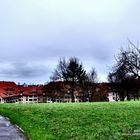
34,34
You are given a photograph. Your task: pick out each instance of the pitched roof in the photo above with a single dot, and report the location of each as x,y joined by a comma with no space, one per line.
7,84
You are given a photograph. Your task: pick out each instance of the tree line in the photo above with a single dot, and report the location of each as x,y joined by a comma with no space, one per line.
124,75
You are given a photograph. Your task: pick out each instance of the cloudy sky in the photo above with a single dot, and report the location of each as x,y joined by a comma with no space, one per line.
34,34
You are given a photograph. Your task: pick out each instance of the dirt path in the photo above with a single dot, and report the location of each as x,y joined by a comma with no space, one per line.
9,131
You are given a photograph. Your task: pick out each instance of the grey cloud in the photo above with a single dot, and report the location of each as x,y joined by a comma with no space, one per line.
33,40
23,70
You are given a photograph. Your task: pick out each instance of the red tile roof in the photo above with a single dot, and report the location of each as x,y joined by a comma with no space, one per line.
7,84
10,89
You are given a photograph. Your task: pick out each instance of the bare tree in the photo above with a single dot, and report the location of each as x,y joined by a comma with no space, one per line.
131,58
90,84
60,73
92,75
126,71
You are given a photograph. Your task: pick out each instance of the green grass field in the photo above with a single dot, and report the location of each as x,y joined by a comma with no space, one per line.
79,121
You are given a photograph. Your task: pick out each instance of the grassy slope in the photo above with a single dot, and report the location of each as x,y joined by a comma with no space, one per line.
75,121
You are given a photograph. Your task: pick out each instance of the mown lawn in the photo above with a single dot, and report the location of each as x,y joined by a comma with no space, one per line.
79,121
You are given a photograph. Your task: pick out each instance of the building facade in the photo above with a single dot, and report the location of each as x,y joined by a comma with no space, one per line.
51,92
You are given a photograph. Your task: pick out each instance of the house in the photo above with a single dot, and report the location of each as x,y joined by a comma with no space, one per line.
113,97
60,92
12,93
52,92
29,94
8,92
